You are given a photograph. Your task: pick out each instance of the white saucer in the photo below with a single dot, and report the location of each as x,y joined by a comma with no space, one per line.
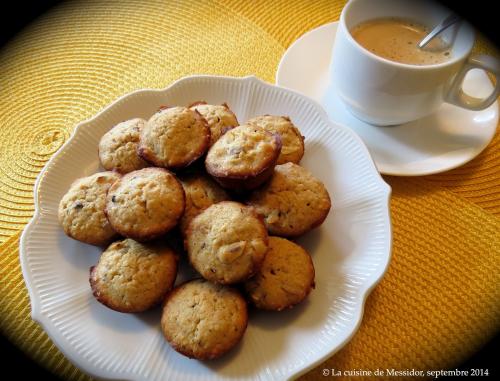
444,140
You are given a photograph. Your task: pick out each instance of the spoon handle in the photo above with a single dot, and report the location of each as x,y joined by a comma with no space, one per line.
447,22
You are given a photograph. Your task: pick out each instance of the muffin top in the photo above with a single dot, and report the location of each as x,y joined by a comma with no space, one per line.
285,278
132,276
226,243
292,140
242,152
292,202
220,118
174,137
201,192
203,320
118,147
81,210
145,204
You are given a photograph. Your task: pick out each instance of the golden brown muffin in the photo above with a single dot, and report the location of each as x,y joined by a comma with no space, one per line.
244,157
226,243
145,204
81,210
292,202
132,276
285,278
203,320
201,192
292,140
118,147
174,138
220,118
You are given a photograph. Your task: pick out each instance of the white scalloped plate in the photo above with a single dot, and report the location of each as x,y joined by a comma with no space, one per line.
351,250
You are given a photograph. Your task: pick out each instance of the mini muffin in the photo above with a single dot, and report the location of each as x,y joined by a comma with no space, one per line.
132,276
244,157
145,204
118,147
226,243
81,210
203,320
292,140
285,278
201,192
174,138
220,118
292,202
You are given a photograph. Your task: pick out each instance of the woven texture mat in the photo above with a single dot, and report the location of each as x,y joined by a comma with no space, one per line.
438,302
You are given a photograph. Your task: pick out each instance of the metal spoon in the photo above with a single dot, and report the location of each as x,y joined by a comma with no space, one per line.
447,22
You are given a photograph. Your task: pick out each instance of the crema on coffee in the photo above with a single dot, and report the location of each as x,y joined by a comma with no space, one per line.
397,40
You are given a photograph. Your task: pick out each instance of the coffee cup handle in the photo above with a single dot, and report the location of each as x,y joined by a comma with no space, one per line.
456,94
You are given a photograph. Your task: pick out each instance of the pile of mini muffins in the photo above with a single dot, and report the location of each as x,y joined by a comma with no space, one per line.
191,182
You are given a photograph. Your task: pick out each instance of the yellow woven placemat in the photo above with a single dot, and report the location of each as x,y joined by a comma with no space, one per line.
439,300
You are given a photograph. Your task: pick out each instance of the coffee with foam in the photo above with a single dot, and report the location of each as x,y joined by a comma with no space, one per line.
397,40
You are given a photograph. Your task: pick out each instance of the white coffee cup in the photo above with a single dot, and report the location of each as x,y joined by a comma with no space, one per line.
383,92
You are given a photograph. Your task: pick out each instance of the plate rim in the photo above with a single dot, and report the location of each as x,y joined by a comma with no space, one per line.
55,336
390,170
